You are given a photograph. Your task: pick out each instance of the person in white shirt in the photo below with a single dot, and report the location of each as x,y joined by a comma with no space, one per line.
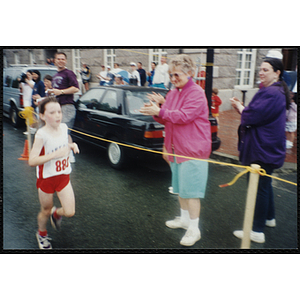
26,89
116,69
134,76
102,75
161,76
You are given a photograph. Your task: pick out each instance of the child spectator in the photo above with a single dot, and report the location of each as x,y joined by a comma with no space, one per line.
215,103
291,123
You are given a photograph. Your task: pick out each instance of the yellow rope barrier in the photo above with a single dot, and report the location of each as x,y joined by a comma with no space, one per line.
28,113
261,171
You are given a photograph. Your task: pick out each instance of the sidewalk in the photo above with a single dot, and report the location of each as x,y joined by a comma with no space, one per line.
229,122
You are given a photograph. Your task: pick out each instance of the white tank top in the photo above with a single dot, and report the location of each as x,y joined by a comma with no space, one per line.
56,166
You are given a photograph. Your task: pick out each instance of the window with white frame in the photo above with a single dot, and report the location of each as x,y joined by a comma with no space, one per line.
245,69
109,57
76,62
155,56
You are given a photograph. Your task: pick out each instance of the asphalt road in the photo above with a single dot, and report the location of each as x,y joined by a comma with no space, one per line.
126,210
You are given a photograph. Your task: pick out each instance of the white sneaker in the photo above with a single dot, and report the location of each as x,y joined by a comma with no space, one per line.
289,144
171,191
177,223
43,242
257,237
191,237
271,223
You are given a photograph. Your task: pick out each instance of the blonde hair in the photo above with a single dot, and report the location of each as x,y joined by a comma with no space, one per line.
185,62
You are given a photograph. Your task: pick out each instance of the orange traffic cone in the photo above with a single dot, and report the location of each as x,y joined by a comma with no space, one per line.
25,154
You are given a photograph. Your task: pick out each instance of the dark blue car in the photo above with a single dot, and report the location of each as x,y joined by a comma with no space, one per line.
109,114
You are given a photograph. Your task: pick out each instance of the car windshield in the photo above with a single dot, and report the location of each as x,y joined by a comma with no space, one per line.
136,100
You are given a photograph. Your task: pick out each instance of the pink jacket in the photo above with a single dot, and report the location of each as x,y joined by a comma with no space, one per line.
187,128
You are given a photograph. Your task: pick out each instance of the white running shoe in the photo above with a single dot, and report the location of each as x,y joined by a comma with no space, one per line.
257,237
171,191
289,144
43,242
271,223
177,223
191,237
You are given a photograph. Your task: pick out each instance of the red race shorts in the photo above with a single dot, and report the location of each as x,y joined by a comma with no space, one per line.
52,184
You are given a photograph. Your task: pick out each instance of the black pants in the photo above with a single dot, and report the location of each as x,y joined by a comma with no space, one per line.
264,208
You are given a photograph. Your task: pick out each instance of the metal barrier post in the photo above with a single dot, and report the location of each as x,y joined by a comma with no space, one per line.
250,206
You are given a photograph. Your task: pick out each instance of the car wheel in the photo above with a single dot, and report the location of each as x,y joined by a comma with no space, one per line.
14,116
116,156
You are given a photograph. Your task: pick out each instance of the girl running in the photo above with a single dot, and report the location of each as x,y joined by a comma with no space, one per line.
50,156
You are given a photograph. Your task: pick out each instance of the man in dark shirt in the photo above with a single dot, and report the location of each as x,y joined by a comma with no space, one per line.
65,85
142,73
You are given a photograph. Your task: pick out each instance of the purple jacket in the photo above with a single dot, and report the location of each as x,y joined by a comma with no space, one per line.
187,128
262,130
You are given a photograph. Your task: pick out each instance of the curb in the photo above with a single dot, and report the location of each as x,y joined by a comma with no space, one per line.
223,157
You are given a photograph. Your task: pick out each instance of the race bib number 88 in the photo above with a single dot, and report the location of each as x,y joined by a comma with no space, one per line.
61,165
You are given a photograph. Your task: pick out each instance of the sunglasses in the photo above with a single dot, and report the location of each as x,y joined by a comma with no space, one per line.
176,75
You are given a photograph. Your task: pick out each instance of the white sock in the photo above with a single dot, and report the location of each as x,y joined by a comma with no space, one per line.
194,224
185,216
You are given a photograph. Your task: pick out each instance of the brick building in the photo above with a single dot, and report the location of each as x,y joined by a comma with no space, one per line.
235,69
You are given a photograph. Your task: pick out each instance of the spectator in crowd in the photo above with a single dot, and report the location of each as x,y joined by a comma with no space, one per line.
65,85
119,80
187,133
262,139
85,73
285,76
291,122
215,103
116,69
48,89
102,75
49,62
142,73
109,77
161,76
134,76
48,85
150,74
38,89
26,88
